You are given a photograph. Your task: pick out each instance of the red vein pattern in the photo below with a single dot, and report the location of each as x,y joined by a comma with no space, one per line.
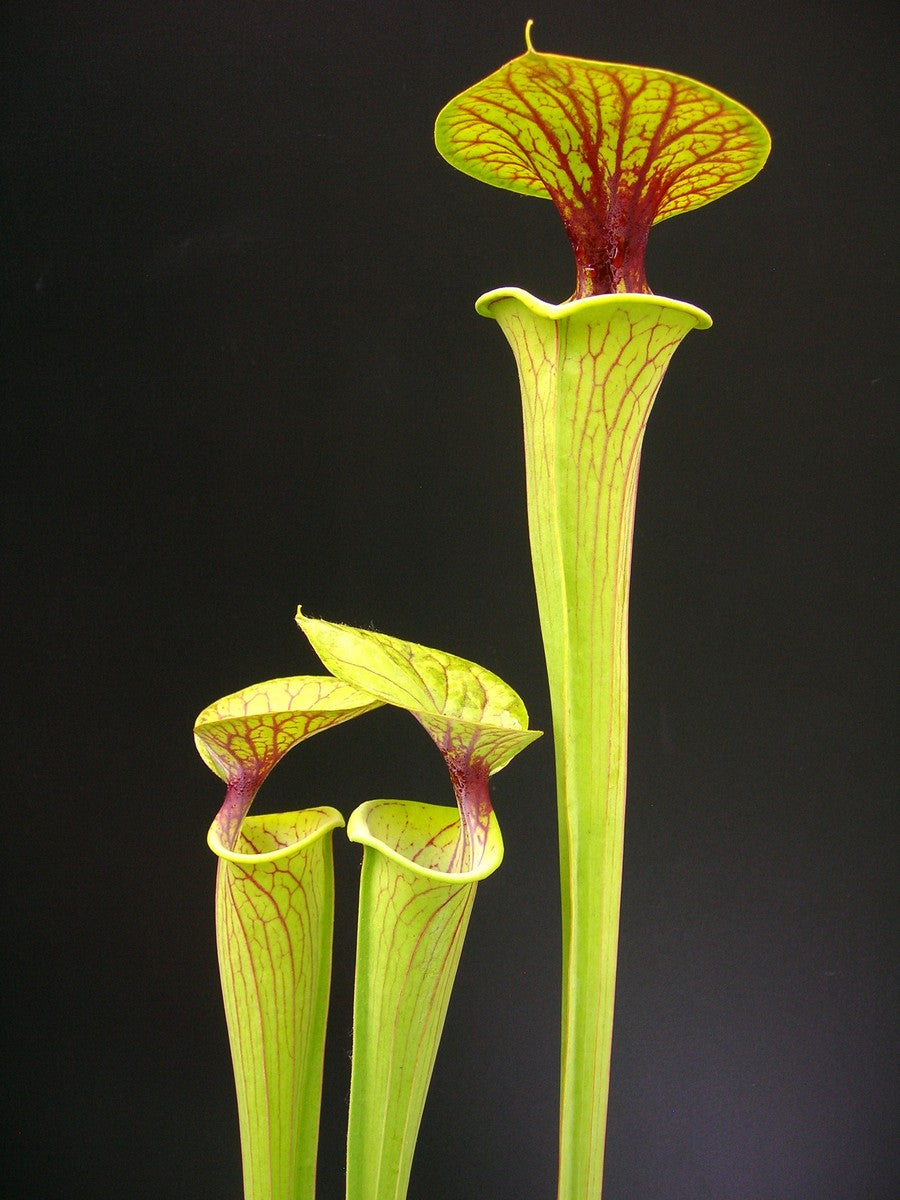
615,147
242,736
274,906
475,719
414,911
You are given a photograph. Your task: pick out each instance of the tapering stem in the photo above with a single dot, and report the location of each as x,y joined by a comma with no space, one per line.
414,910
274,914
589,372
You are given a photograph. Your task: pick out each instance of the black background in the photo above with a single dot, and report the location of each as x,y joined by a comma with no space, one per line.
245,373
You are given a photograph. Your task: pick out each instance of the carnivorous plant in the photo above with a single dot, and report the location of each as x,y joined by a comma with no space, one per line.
617,148
275,899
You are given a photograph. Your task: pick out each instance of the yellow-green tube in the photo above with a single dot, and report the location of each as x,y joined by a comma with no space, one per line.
617,148
414,910
589,371
274,917
274,914
421,864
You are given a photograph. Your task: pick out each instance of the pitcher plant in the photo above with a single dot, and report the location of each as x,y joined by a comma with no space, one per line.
275,902
617,148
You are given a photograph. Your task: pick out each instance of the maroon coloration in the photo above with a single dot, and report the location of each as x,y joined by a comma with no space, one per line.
609,245
469,776
608,222
614,147
239,795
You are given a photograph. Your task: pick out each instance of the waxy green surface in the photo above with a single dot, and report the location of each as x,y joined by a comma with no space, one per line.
274,917
475,719
275,902
242,736
414,909
589,372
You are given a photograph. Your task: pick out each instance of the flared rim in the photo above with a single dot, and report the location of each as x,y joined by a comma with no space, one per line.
330,819
358,831
569,308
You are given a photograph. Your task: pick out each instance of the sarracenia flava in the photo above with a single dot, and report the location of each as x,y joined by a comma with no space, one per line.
617,148
275,900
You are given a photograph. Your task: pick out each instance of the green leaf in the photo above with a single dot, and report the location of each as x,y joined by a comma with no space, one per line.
415,677
274,917
615,147
421,864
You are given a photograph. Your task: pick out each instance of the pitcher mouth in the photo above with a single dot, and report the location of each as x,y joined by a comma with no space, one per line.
363,827
558,312
318,822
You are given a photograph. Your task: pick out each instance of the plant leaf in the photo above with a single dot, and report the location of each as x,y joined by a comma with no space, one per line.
274,919
589,373
615,147
476,720
242,736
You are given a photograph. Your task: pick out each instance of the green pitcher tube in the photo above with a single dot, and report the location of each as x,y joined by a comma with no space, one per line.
414,910
274,918
589,371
